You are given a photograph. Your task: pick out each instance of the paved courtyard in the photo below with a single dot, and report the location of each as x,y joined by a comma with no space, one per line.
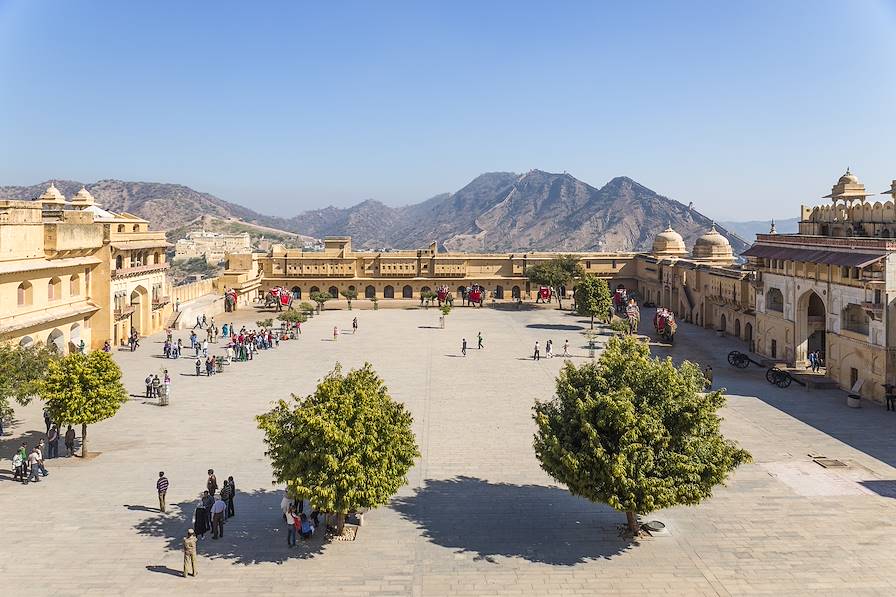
478,516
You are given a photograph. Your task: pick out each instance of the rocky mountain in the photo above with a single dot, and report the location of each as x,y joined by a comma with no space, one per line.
497,211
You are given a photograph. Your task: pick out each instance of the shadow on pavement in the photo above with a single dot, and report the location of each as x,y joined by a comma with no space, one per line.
165,570
555,326
256,534
533,522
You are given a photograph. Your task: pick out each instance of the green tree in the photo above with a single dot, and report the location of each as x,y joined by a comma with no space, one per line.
320,298
349,294
22,370
344,447
445,309
83,388
593,298
306,307
292,317
634,432
555,273
266,323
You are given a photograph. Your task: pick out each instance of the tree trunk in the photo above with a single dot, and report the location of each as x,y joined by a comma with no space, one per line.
559,300
633,525
340,523
83,440
592,321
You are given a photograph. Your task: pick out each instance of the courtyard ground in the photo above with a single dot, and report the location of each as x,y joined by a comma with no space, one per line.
478,516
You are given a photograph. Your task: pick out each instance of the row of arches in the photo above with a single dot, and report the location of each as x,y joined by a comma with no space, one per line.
56,341
25,291
389,292
138,258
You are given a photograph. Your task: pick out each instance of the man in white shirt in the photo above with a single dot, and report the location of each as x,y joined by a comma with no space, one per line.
218,509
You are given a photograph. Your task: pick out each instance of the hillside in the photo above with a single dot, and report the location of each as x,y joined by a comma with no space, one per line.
496,211
749,229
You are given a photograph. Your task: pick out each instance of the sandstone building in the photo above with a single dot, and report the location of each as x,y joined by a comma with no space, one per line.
213,246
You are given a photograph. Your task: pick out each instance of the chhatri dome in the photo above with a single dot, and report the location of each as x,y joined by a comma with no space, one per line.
83,197
52,196
669,243
713,245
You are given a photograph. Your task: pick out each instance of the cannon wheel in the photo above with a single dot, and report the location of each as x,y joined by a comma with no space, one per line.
742,361
784,380
733,358
771,375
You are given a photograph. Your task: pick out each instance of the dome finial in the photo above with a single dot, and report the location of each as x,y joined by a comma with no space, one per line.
773,230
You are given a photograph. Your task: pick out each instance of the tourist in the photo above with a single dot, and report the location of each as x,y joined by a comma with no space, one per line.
354,325
193,338
40,458
548,349
307,529
230,510
291,524
156,386
23,456
198,367
209,367
34,466
225,330
707,376
53,442
162,488
201,516
176,305
70,440
218,509
190,552
537,355
205,348
226,495
811,365
284,505
204,322
18,468
198,322
566,348
335,332
212,483
479,340
463,347
107,347
208,501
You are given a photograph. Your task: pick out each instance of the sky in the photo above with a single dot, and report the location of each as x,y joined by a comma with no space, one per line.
748,109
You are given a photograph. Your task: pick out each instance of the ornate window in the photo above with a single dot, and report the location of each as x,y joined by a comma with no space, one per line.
774,300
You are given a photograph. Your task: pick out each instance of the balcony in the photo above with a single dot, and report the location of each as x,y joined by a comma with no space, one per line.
122,272
875,310
124,312
873,277
160,301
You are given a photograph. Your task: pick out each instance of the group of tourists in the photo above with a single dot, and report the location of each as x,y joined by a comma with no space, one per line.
28,465
479,344
549,350
664,323
816,361
154,385
297,521
215,507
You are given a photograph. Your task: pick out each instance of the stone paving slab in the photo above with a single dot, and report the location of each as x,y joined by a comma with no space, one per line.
478,516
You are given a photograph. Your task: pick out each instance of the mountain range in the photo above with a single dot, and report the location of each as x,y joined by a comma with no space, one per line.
496,211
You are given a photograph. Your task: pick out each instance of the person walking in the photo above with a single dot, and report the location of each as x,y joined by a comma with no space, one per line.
566,347
354,325
211,483
549,349
230,510
18,468
190,553
34,466
70,440
198,367
148,382
53,442
479,341
162,488
40,458
335,333
463,347
291,523
537,355
218,509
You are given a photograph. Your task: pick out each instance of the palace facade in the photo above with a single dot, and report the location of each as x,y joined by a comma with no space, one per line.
73,272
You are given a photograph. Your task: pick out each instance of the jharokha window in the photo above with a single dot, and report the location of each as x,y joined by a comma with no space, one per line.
24,294
54,289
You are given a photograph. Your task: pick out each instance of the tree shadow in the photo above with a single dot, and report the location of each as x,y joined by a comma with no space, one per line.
256,534
534,522
555,326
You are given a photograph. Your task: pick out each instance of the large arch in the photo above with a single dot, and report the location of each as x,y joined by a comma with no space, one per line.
388,292
74,338
811,326
748,335
737,327
369,291
407,291
334,292
723,323
314,290
515,292
296,292
499,292
56,341
140,318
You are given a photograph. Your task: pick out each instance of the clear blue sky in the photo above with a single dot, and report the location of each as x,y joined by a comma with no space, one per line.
747,109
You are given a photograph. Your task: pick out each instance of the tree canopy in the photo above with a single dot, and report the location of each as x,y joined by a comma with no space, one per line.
555,273
634,432
22,370
292,317
83,388
320,298
346,446
349,294
593,298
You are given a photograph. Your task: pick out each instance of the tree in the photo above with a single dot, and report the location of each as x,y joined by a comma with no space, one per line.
266,323
344,447
445,309
320,298
593,298
555,273
292,317
83,388
22,370
306,307
350,294
634,432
